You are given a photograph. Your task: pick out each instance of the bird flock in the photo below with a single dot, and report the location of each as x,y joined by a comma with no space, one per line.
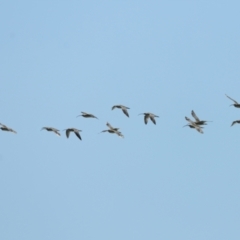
196,124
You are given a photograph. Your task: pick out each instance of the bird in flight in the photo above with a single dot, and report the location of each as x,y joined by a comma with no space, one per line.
76,131
51,129
149,115
87,115
113,130
236,104
124,109
5,128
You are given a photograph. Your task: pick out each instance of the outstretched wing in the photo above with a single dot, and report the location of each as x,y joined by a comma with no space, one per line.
68,132
195,116
78,135
189,120
11,130
125,112
198,129
109,125
231,99
56,132
146,118
153,119
3,125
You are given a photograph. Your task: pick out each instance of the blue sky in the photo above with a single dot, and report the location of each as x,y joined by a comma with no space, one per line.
162,181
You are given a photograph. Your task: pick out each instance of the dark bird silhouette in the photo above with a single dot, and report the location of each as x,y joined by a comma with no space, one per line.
234,122
51,129
236,104
76,131
149,115
5,128
124,109
198,121
87,115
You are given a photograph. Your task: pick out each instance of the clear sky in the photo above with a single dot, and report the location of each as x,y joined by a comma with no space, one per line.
163,181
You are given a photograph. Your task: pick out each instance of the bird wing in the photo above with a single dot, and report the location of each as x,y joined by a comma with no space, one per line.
77,134
119,134
56,132
11,130
68,132
114,107
189,120
198,129
3,125
231,99
195,116
153,119
109,125
146,118
125,112
84,113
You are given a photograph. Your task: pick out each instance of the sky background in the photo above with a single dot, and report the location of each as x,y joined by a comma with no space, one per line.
58,58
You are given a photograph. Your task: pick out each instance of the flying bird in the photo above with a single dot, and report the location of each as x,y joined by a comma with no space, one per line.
87,115
124,109
234,122
51,129
198,121
149,115
76,131
236,104
113,130
5,128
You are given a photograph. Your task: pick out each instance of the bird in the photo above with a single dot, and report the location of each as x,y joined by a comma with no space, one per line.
147,116
198,121
5,128
51,129
236,104
124,109
237,121
76,131
113,130
193,125
87,115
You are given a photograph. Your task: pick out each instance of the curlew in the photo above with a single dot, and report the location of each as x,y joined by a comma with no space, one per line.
76,131
193,125
149,115
236,104
5,128
124,109
234,122
87,115
113,130
198,121
51,129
